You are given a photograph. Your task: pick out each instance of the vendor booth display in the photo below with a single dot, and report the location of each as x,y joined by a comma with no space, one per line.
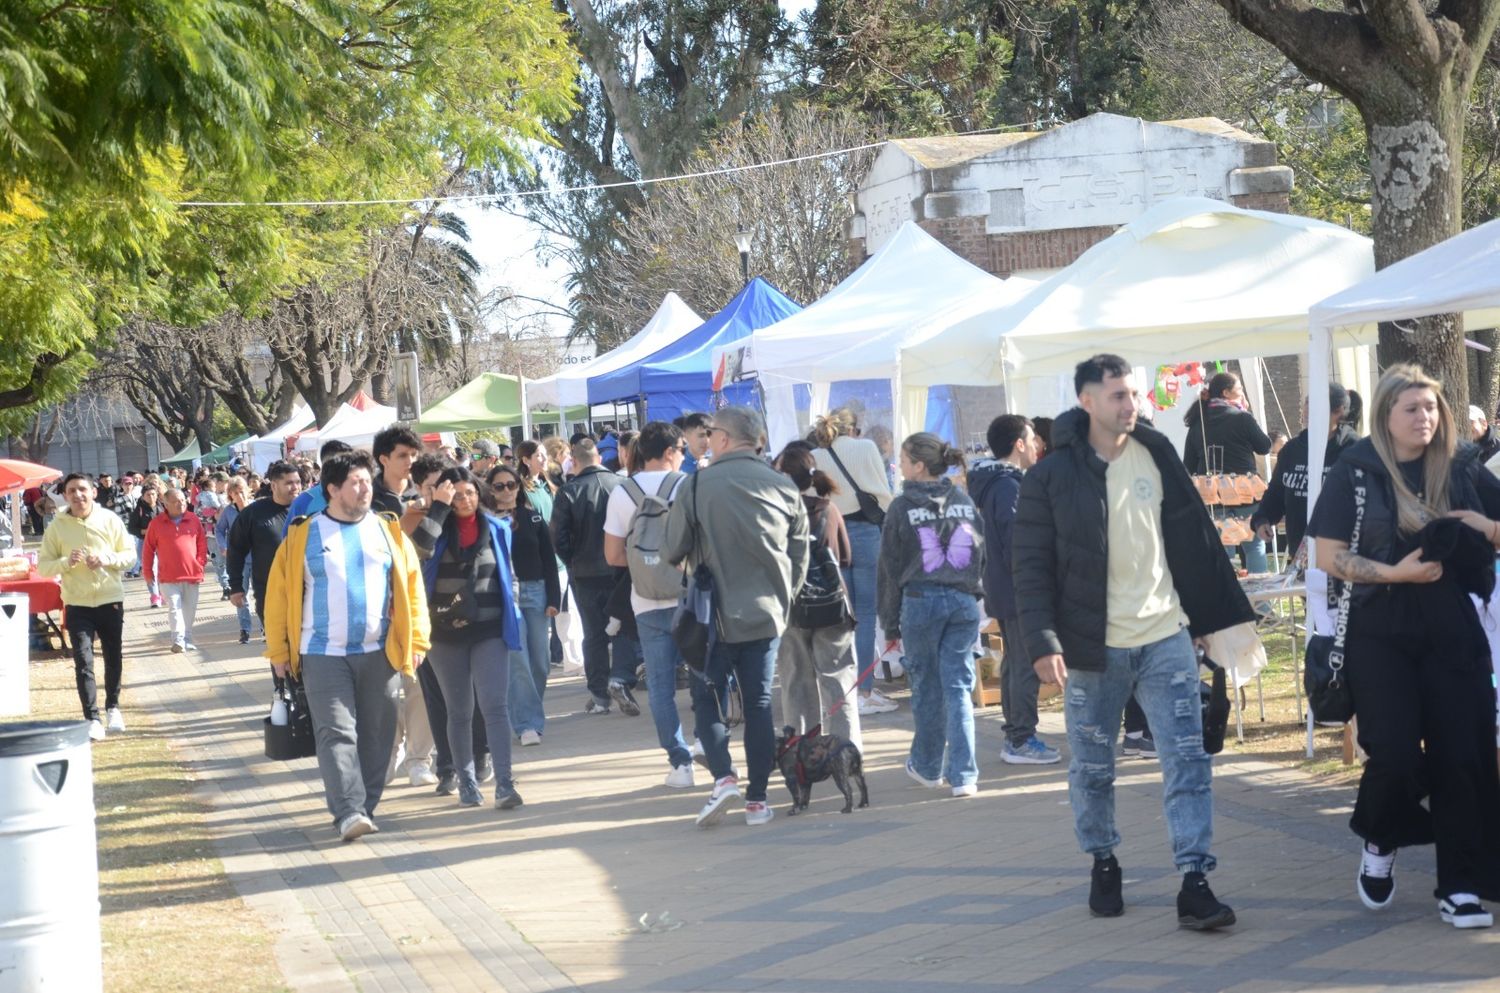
570,388
677,379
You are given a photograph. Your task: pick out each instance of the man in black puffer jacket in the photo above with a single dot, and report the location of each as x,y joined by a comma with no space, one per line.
1116,564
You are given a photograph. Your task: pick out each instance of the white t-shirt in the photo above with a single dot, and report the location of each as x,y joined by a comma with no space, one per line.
617,515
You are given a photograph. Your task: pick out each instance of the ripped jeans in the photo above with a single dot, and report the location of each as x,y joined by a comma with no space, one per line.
1164,678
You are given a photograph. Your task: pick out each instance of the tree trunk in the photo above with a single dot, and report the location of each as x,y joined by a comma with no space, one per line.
1415,143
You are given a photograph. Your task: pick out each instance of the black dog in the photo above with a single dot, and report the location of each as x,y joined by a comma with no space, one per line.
813,757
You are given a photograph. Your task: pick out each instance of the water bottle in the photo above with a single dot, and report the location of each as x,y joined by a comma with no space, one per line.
279,711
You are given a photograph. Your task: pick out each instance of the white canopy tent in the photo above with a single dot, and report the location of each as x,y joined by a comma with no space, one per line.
269,447
1191,277
911,286
570,388
351,425
1460,275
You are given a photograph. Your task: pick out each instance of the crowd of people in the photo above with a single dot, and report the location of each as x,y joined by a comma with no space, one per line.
421,599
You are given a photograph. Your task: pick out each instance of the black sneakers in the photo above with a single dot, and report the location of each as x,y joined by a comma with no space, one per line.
1197,907
623,698
1376,883
1105,899
1463,910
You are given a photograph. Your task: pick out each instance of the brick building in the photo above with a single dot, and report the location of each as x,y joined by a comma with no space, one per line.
1031,202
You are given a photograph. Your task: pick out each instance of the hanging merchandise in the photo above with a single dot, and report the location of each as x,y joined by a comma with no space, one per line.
1171,380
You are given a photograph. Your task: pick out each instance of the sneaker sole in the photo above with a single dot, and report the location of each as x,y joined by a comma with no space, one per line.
1466,923
509,803
1107,913
627,706
356,831
716,811
768,817
1011,759
1224,918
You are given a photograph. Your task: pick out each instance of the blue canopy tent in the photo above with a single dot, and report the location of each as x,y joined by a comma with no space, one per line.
677,378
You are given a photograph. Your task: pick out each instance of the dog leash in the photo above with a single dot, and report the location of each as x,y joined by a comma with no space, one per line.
839,703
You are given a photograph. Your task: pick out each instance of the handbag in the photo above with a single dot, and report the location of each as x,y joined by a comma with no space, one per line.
462,609
1328,694
694,631
869,507
294,739
1214,695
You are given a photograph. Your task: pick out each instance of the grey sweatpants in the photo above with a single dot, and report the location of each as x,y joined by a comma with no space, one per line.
817,671
464,670
353,703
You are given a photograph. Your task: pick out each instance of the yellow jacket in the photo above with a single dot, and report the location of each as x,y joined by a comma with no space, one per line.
103,534
410,633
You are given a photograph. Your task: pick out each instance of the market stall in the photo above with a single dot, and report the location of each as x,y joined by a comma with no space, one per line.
676,379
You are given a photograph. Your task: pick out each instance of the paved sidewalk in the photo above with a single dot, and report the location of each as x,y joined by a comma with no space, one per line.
602,883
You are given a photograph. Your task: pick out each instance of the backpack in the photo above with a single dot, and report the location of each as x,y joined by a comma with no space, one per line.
820,603
651,575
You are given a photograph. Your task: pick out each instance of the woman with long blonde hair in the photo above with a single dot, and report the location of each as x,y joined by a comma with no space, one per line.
1409,521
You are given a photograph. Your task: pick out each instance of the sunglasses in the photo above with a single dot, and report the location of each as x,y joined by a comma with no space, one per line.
512,485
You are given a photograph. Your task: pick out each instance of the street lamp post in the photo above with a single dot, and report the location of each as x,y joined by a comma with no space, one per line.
742,242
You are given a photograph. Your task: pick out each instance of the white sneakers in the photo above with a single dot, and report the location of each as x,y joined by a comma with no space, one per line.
116,720
356,826
914,774
758,812
421,774
530,737
876,703
96,730
969,789
725,795
681,777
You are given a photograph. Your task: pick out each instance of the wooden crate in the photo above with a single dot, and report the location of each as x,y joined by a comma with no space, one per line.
987,667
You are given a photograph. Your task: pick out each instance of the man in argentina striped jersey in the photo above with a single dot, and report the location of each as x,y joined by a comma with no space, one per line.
346,614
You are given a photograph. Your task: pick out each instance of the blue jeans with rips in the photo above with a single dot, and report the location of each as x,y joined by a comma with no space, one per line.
530,666
1164,677
655,627
753,664
939,626
859,580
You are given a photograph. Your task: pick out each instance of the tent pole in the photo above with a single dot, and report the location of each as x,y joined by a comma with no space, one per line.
525,413
1317,418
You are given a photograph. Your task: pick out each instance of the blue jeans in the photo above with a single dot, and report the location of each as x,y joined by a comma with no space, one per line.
939,626
1164,678
1252,552
753,664
530,665
221,565
243,612
661,654
859,580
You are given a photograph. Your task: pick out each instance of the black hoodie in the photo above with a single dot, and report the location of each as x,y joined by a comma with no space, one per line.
1286,496
996,489
1227,427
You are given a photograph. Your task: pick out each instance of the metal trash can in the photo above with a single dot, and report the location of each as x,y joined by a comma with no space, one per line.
15,654
49,862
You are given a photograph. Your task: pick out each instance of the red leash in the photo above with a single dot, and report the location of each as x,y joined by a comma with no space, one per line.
858,679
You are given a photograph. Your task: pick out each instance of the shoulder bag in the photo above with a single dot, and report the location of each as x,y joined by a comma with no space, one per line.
1323,678
869,507
693,629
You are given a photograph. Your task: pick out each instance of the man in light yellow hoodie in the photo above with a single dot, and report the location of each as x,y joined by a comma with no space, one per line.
88,547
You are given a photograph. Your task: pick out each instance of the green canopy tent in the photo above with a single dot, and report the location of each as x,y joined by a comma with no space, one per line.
185,457
192,451
493,400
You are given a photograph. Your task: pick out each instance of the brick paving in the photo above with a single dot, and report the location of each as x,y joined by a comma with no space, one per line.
602,883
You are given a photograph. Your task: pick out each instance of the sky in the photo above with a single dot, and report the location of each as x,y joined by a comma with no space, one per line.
506,245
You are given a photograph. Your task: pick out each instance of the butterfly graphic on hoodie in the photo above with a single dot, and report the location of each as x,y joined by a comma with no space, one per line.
957,551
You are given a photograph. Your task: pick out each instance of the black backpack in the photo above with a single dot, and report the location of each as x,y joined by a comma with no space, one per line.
821,602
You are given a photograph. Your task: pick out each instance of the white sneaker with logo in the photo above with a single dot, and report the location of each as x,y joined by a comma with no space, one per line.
726,794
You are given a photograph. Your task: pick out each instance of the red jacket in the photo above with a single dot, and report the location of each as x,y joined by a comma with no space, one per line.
174,552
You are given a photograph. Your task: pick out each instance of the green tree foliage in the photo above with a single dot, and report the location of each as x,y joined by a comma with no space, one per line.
110,113
913,69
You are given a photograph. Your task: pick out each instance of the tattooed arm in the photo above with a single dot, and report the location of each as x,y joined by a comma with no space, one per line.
1335,558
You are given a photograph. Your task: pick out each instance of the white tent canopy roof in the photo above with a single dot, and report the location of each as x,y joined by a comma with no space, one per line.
1189,277
672,320
350,424
1457,276
910,286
